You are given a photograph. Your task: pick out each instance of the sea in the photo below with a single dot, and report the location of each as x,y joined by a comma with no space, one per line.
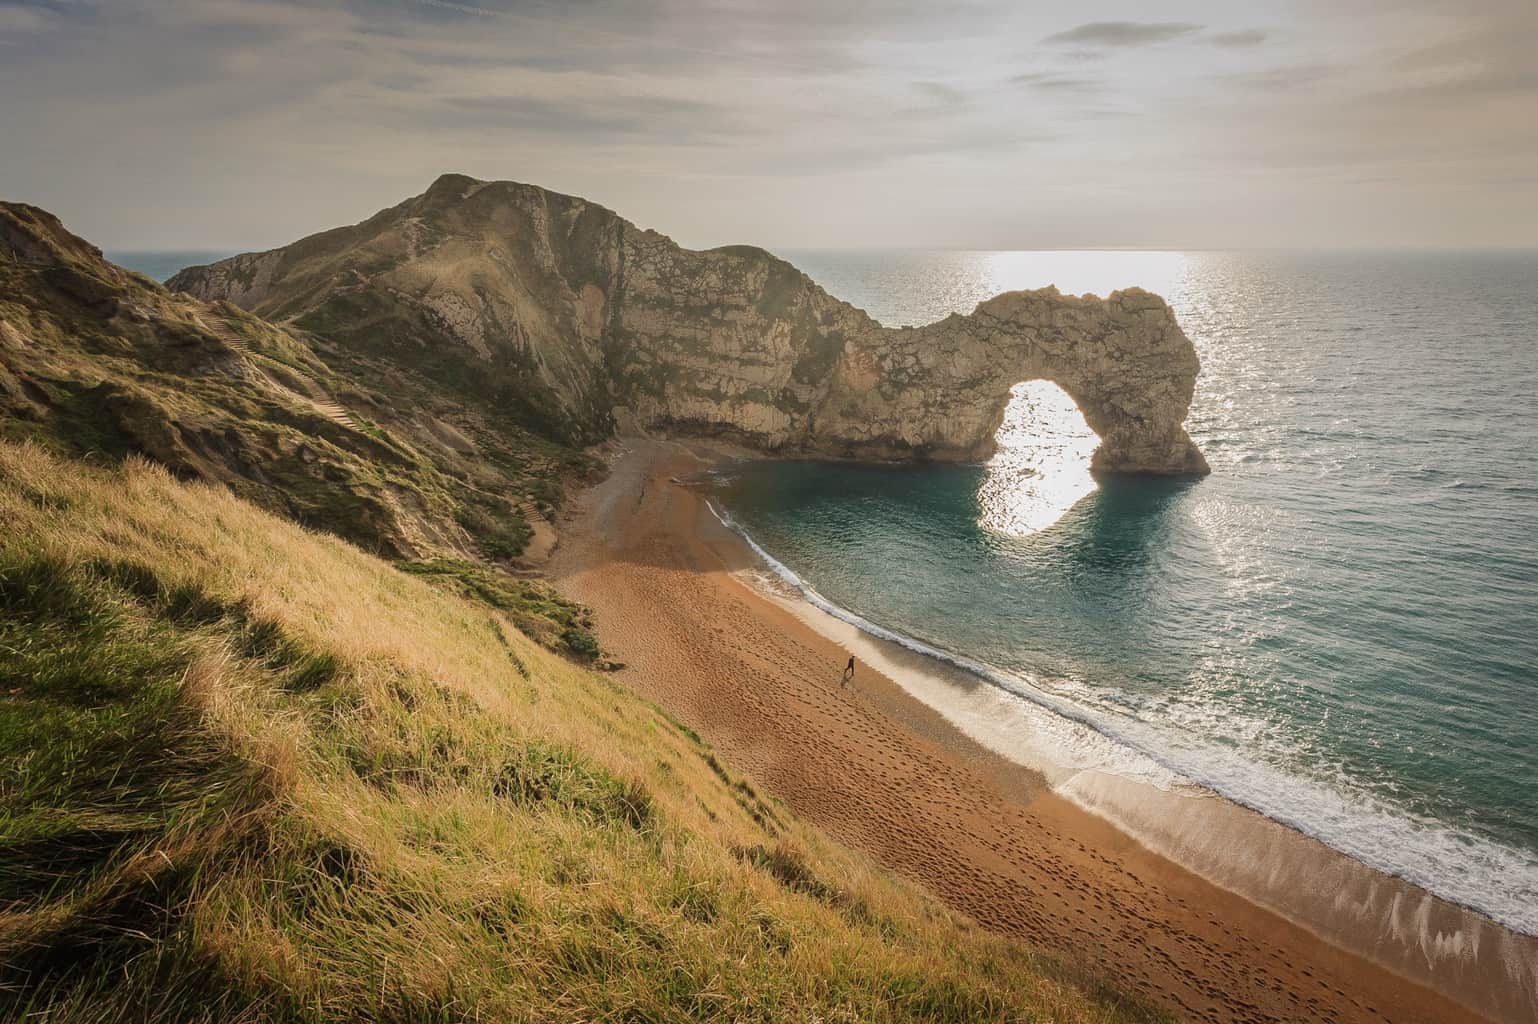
162,264
1338,628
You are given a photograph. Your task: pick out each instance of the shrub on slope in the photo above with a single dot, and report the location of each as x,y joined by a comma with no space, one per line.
248,772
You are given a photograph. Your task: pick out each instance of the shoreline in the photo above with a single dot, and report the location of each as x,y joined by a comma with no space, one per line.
1256,858
927,672
1191,900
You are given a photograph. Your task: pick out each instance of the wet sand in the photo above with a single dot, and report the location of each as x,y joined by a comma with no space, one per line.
1319,938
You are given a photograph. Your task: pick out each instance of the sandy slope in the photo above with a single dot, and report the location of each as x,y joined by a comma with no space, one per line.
887,774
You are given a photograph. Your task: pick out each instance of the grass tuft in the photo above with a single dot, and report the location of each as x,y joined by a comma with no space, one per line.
534,606
547,773
266,640
789,868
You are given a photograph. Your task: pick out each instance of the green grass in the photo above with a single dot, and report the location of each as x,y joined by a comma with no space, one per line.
116,799
376,325
499,532
535,607
251,773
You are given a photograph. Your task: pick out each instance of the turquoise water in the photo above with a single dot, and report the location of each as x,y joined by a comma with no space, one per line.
1338,628
162,264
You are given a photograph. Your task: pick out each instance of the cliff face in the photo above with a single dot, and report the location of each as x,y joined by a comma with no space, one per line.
565,310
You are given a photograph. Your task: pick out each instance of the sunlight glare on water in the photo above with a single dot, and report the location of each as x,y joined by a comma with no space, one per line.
1041,467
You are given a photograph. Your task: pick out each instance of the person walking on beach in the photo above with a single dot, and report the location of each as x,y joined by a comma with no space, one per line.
848,673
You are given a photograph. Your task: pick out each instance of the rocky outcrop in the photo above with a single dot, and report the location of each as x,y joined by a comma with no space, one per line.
566,311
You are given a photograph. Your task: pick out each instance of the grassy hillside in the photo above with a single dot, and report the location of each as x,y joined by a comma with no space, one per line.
97,361
249,772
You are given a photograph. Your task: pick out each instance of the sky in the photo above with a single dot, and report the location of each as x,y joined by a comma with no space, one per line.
990,124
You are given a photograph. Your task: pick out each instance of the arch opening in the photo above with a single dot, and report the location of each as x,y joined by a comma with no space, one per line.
1041,464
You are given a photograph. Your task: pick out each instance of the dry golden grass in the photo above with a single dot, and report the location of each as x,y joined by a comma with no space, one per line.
249,772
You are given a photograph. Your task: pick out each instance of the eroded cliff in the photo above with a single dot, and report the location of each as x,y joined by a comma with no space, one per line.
565,312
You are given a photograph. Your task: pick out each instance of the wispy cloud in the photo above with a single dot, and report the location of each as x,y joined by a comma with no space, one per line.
1123,33
1240,39
1052,82
16,19
945,95
1285,78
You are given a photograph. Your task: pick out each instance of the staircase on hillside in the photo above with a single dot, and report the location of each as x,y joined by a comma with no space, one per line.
325,404
531,512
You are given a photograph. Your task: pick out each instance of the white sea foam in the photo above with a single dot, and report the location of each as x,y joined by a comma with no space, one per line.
1495,880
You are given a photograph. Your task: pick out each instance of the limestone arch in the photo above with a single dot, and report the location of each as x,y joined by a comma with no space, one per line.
940,391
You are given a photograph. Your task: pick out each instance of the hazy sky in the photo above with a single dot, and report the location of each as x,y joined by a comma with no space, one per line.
873,123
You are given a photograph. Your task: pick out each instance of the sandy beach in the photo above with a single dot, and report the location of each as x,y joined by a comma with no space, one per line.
1197,904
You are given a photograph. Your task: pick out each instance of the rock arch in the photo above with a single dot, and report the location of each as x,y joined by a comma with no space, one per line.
734,341
940,391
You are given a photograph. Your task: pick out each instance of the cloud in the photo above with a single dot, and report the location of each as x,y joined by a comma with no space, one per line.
942,94
1048,81
1123,33
22,19
1243,38
41,7
610,119
1286,78
458,8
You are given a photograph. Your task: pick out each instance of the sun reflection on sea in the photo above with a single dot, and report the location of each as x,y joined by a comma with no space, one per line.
1041,468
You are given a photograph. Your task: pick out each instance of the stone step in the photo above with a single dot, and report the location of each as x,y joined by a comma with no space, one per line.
329,408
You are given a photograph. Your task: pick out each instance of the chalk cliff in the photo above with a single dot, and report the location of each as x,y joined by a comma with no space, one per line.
568,312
